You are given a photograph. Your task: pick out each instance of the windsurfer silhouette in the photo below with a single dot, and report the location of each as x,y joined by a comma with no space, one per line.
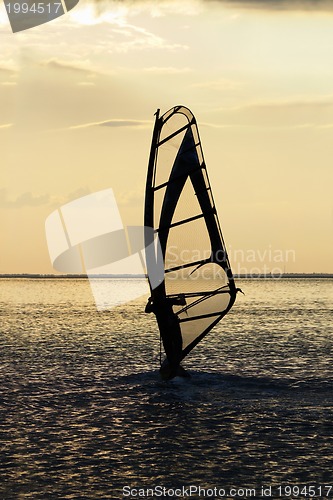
169,327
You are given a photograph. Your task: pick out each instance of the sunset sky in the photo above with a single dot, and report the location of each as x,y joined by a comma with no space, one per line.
78,95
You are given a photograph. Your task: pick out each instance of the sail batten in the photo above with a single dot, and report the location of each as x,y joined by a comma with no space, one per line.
171,136
175,179
198,288
179,223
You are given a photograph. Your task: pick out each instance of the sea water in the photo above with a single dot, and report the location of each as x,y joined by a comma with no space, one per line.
84,414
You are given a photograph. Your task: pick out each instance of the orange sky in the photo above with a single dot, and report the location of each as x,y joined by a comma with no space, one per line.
77,100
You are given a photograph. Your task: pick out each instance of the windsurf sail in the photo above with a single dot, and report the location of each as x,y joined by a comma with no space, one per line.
198,288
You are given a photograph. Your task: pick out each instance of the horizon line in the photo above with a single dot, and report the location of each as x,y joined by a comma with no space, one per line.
117,276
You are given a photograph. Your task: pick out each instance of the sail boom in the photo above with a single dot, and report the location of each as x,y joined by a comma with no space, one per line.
201,298
201,316
188,264
197,294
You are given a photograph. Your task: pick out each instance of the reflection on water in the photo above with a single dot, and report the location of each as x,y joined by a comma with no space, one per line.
83,412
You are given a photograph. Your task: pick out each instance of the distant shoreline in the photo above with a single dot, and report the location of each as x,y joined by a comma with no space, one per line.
140,276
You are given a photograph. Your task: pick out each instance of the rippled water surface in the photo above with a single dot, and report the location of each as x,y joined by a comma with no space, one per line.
83,412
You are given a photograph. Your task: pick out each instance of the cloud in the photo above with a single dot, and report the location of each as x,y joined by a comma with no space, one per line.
26,199
215,125
167,70
115,123
162,7
293,113
86,84
115,28
6,125
8,72
81,67
165,7
8,67
116,33
323,102
125,123
326,127
132,197
132,37
156,8
78,193
295,5
58,200
220,84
